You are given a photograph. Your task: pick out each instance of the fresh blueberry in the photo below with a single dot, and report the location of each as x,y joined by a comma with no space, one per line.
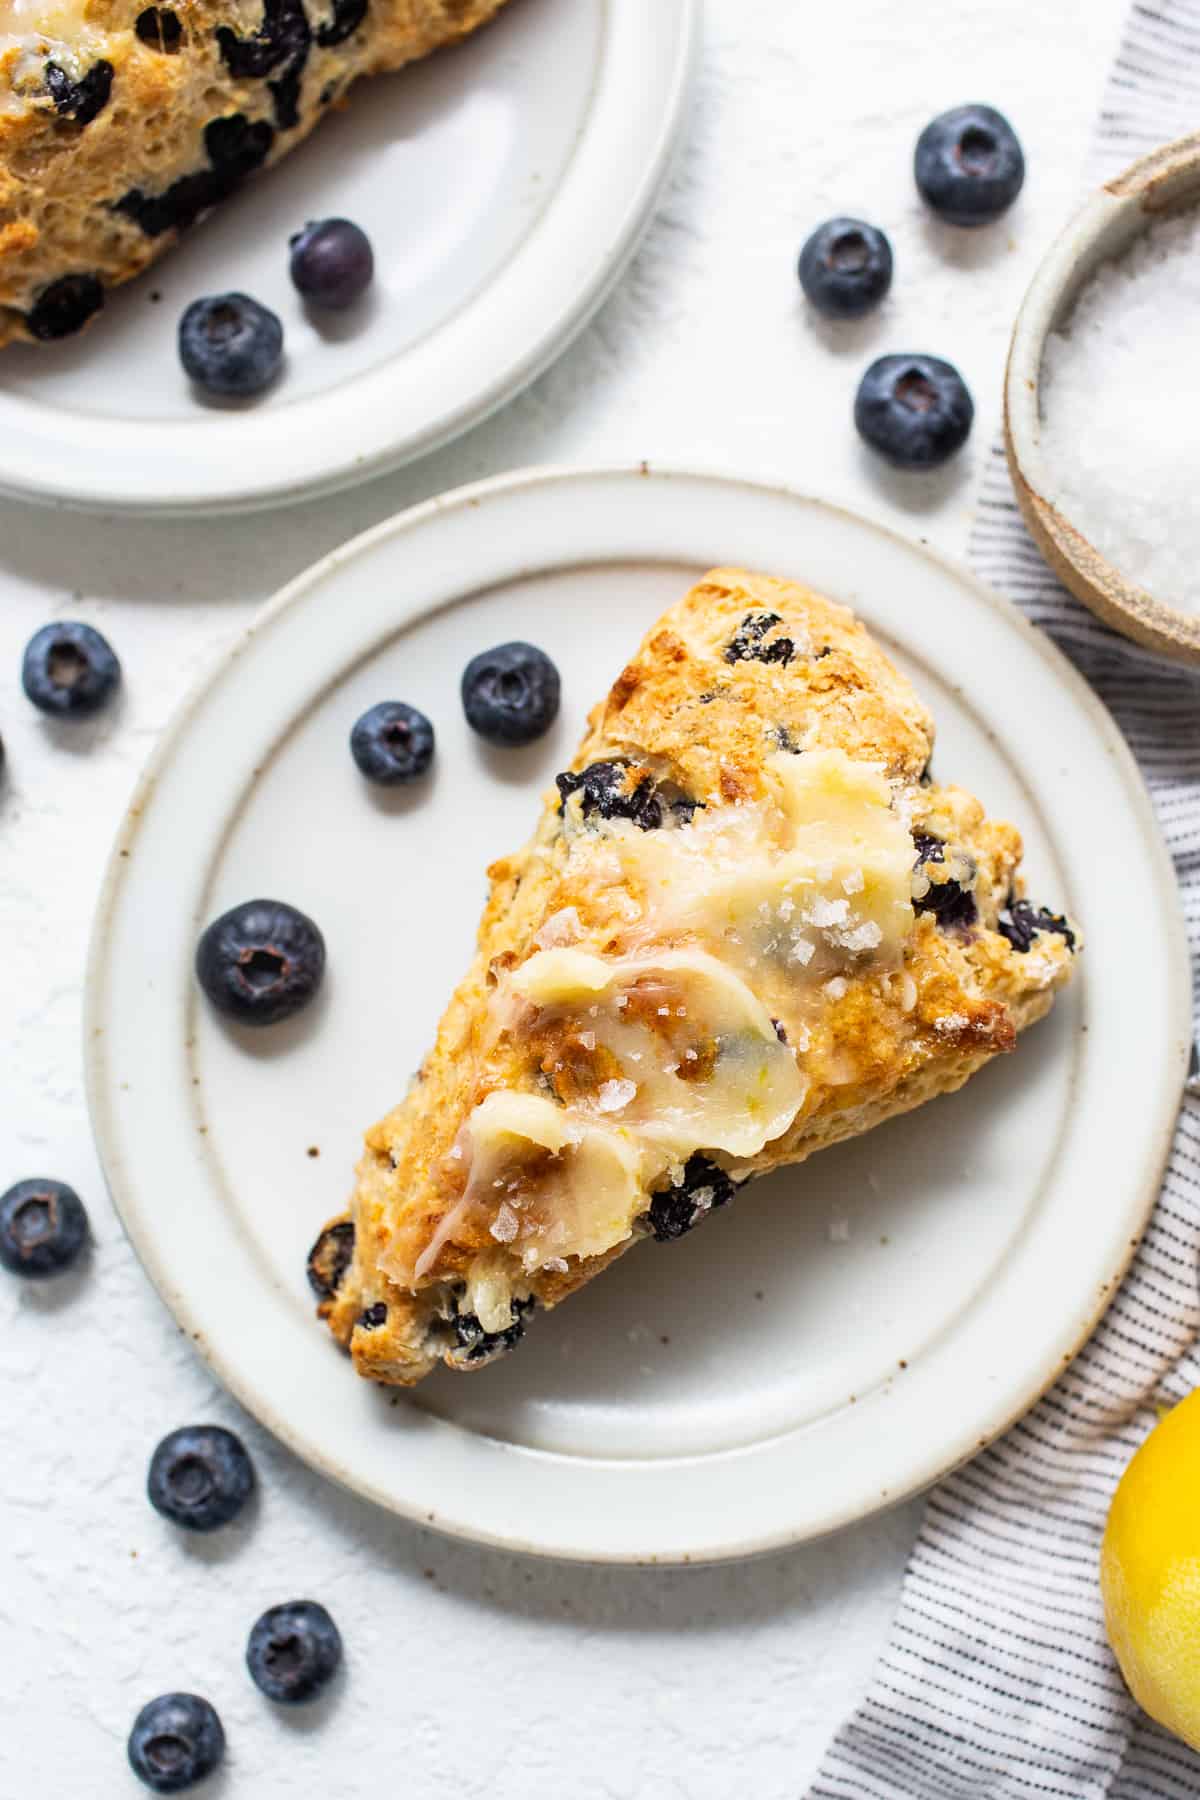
332,262
176,1741
511,694
293,1651
675,1210
968,165
392,743
846,268
43,1227
914,410
69,669
230,345
261,961
200,1477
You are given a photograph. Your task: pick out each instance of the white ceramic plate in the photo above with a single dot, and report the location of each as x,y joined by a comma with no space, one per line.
849,1330
504,185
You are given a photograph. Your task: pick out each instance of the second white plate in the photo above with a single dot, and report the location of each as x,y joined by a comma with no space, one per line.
849,1330
504,185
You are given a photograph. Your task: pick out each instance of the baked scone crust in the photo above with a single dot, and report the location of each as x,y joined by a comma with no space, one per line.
744,677
113,140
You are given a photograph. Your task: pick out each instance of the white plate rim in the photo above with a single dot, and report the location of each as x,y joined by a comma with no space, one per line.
960,1445
485,354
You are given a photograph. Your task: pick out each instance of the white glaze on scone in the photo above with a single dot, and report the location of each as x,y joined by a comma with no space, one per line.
754,927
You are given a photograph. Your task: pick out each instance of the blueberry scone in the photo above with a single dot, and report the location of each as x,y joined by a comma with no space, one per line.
748,925
120,123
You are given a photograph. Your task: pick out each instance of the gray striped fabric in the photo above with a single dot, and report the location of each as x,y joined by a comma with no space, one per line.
997,1680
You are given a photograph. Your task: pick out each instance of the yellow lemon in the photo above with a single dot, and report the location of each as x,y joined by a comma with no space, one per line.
1150,1572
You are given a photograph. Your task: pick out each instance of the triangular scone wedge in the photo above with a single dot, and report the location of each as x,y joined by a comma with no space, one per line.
748,925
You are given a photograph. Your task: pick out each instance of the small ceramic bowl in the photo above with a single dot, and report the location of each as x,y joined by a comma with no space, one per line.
1166,181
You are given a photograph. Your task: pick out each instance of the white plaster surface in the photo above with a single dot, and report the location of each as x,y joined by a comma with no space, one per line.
470,1673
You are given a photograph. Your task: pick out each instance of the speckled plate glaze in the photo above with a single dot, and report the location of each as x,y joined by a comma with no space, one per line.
847,1332
504,185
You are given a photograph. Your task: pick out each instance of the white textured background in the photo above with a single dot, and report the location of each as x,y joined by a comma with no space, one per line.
469,1673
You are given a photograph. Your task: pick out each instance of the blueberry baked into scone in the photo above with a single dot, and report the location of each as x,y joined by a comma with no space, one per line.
749,924
121,123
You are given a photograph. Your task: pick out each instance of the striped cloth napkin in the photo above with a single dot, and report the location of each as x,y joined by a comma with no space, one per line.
997,1680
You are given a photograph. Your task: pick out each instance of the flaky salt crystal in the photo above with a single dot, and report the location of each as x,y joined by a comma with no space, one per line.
823,912
562,927
615,1095
504,1225
866,936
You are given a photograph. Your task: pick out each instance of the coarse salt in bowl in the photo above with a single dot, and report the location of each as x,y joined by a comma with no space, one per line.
1100,427
1119,426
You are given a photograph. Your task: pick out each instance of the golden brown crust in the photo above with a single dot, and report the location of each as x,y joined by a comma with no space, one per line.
104,162
743,667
